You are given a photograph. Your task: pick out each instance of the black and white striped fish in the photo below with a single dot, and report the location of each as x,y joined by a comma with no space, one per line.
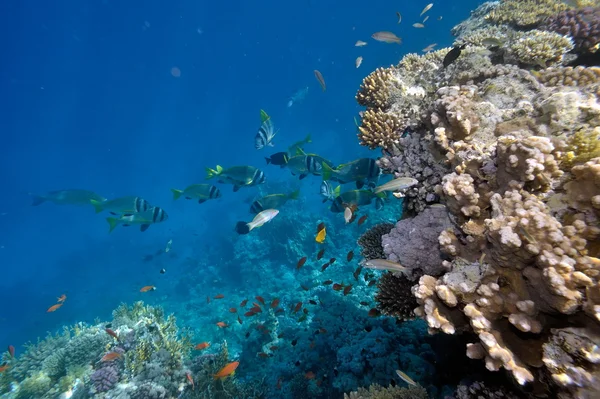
144,219
265,135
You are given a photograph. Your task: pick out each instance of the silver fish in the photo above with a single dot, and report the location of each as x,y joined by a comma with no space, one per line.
298,97
348,214
122,205
328,192
418,25
426,18
68,197
144,219
265,135
263,217
396,184
399,16
406,378
384,264
358,61
386,37
360,43
427,8
320,78
429,48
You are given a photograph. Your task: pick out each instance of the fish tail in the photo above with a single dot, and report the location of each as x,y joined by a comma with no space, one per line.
37,200
210,173
337,191
113,223
264,116
327,171
97,205
176,193
268,160
295,194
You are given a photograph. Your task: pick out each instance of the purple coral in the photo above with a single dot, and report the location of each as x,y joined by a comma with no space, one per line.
104,379
582,25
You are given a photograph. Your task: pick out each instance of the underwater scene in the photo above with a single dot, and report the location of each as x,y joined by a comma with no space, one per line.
311,199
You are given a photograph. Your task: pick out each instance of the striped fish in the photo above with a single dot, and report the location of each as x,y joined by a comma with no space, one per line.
144,219
362,171
122,205
202,192
265,135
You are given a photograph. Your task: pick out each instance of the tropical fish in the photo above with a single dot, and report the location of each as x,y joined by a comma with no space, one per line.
453,55
239,176
112,333
337,287
53,308
357,272
261,218
321,252
348,214
354,197
226,371
327,282
301,262
144,219
260,299
347,289
123,205
294,148
427,8
68,197
400,183
11,351
320,79
232,310
274,303
429,48
406,378
362,171
243,303
264,136
147,288
492,42
219,296
418,25
298,96
61,298
426,18
202,345
272,201
386,37
399,16
110,356
328,192
325,266
384,264
221,324
374,313
350,256
320,238
202,192
303,165
190,379
360,43
362,219
279,159
4,367
358,61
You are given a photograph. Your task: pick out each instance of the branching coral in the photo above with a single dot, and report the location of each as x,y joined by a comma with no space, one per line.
370,241
582,25
379,129
375,90
524,13
378,392
541,48
394,297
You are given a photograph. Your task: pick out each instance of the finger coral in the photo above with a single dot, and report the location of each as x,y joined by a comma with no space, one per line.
582,25
378,392
379,129
374,92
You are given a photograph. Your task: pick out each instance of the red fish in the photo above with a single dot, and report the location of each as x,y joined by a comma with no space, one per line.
327,282
301,262
362,219
275,303
53,308
332,261
350,256
309,375
222,324
263,354
111,333
110,356
232,310
297,307
260,299
11,351
325,266
256,308
202,345
190,379
320,254
3,368
273,347
219,296
347,289
227,370
374,313
357,272
250,313
243,303
337,287
147,288
240,320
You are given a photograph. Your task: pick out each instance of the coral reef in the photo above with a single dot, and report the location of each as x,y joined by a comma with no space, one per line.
378,392
479,390
370,241
510,148
394,297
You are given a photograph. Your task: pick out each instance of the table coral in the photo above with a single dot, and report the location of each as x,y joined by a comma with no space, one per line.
524,13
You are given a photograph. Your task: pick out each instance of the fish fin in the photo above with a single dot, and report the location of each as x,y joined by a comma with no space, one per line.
264,116
112,213
176,193
294,195
97,205
144,227
271,143
112,222
268,160
201,201
337,190
325,200
128,214
210,173
302,176
381,194
360,184
188,198
327,171
236,188
126,225
36,200
300,151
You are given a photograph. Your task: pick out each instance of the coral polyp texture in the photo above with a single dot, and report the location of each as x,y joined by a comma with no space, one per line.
505,148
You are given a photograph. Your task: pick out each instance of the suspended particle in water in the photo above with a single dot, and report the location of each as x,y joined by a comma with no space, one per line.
176,72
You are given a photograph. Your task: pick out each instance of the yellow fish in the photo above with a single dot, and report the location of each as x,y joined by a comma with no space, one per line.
320,238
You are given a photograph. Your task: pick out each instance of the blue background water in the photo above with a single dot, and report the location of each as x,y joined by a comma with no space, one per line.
88,101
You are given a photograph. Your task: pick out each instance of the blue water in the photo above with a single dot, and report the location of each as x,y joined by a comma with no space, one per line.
88,101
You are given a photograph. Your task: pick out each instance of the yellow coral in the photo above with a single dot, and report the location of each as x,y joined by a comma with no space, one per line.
379,129
374,91
525,13
582,146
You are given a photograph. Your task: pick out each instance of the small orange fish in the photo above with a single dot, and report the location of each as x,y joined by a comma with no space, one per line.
226,371
243,303
347,289
61,298
297,307
321,80
350,256
190,379
274,303
374,313
362,219
147,288
53,308
337,287
110,356
325,266
232,310
320,238
260,299
3,368
219,296
202,345
332,261
256,305
256,309
309,375
250,313
240,320
111,333
320,254
301,262
221,324
274,347
263,354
